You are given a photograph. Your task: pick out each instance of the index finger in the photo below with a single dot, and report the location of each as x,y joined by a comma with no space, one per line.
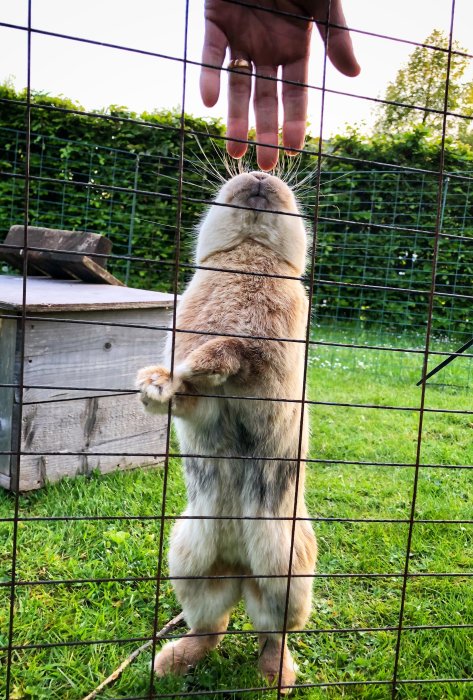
213,54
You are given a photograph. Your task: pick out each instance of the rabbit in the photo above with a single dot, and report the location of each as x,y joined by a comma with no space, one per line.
253,230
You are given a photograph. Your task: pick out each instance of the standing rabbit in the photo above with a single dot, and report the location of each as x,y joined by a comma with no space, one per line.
254,231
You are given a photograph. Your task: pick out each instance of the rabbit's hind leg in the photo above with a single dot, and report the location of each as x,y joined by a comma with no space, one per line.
266,597
206,602
206,605
266,602
181,656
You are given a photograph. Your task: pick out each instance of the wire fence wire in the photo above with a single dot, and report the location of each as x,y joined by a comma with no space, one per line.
368,262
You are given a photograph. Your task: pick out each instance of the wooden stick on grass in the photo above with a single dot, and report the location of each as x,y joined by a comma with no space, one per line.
175,622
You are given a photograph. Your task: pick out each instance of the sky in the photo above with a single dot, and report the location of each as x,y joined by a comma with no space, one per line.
97,77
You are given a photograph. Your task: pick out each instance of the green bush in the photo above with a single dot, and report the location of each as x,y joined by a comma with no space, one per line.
116,173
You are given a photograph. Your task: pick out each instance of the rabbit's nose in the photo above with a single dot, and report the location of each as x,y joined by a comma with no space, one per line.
259,175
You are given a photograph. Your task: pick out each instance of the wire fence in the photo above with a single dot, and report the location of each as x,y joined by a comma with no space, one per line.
391,246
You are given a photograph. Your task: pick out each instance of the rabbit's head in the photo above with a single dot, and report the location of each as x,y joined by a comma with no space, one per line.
254,206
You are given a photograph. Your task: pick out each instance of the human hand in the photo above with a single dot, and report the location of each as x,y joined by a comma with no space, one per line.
269,41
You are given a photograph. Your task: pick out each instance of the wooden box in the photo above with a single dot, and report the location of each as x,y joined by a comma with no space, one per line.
77,366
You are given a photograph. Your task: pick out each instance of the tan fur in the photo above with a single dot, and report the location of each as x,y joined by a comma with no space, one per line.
252,307
179,657
270,660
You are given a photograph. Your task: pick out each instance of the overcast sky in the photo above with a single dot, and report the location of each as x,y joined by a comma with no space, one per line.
98,76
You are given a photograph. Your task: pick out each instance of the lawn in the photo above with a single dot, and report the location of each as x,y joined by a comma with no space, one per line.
354,506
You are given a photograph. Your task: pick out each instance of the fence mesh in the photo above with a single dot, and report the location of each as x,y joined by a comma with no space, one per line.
84,579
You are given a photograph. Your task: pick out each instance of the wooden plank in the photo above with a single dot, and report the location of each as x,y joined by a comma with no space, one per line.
60,265
114,424
55,240
94,357
45,295
7,371
64,254
78,267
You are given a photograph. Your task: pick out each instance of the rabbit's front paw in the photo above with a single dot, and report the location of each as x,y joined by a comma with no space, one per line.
156,388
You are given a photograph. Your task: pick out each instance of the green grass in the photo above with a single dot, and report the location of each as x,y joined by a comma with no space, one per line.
58,550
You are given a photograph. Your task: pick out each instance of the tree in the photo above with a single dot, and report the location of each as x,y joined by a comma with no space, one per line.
422,84
465,127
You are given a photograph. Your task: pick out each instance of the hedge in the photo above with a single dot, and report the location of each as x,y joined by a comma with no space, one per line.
116,173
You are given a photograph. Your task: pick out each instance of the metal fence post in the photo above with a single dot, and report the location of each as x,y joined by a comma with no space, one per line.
132,220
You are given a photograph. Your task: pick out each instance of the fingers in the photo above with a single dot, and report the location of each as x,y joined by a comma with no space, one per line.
213,53
340,46
266,113
239,91
341,54
294,99
295,68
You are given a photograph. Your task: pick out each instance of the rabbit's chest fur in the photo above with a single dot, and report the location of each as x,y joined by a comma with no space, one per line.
248,306
233,432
